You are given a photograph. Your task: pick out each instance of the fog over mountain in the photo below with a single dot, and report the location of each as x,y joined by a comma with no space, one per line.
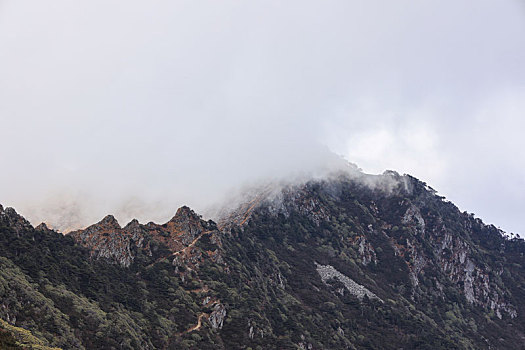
137,108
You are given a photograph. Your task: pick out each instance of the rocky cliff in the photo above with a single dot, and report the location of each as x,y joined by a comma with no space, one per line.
106,239
349,261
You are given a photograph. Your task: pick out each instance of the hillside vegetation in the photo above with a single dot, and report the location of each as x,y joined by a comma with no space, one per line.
348,262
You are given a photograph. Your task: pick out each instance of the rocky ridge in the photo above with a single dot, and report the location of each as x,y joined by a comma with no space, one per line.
340,262
107,239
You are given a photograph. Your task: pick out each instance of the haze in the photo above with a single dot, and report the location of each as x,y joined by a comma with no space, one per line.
135,108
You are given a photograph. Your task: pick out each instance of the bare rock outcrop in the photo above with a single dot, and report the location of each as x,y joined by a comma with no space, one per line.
328,272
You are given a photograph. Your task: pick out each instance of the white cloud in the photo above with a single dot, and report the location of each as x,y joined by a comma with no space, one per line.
175,102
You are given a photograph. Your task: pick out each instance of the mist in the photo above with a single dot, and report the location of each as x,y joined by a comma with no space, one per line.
136,109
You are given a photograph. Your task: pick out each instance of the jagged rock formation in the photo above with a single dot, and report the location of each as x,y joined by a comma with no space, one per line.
217,316
346,262
106,239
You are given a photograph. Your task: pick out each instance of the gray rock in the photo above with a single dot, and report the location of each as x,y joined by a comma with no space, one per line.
328,272
217,316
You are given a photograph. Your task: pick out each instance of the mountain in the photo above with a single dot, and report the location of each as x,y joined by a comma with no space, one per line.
348,261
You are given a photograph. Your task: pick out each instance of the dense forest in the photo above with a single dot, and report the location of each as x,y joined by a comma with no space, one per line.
368,262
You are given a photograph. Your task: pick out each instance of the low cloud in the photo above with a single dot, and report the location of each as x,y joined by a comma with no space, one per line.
135,110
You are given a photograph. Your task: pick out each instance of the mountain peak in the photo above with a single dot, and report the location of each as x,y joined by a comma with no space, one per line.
184,213
11,212
109,221
132,224
10,217
43,227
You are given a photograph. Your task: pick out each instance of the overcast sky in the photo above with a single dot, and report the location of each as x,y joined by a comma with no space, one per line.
137,107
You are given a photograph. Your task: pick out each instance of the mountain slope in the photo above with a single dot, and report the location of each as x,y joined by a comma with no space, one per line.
350,261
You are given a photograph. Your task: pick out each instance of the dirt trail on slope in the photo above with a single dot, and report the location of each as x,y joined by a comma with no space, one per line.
197,326
183,250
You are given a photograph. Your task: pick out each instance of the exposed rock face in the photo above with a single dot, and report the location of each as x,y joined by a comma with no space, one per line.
108,240
366,251
454,260
413,216
328,272
452,254
251,333
217,316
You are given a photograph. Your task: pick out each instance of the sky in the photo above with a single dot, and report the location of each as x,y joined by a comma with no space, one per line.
135,108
